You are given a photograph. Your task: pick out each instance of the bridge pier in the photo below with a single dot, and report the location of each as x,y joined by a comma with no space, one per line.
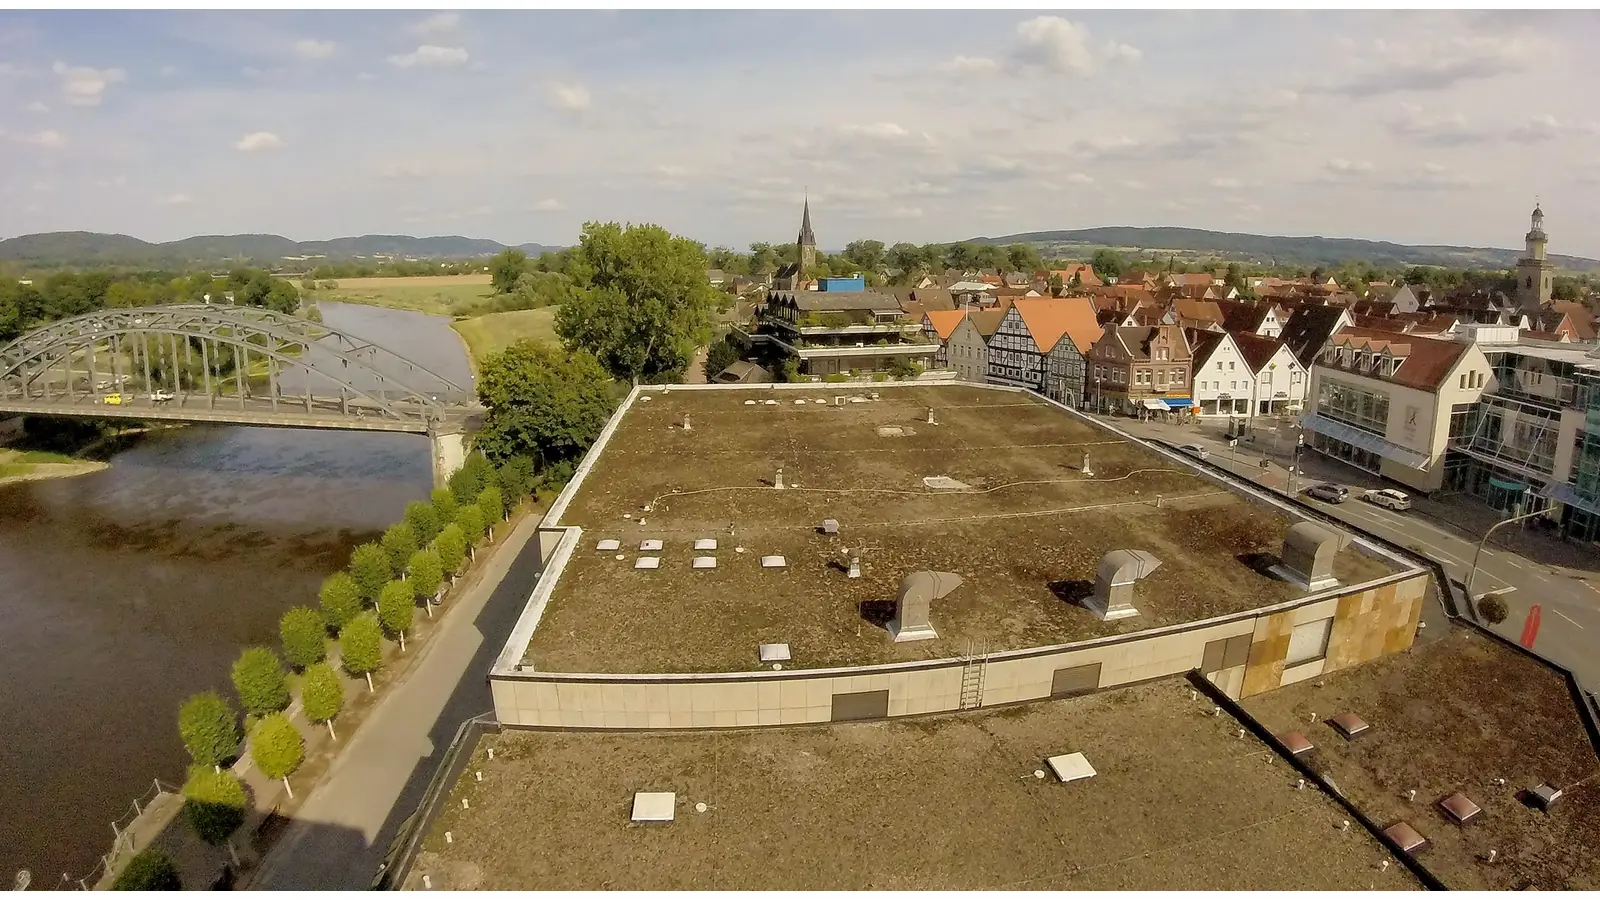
449,454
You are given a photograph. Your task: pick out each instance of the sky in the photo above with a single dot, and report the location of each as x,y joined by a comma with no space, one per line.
1423,127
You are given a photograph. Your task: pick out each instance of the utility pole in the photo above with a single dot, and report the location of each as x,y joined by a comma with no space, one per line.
1294,468
1473,574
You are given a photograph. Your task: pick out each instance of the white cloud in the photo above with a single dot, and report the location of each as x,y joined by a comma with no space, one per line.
1341,166
1079,178
439,23
1227,184
118,181
1433,63
1547,128
1056,44
38,106
259,140
1445,129
549,204
1123,53
971,65
85,86
431,56
311,48
175,200
366,76
573,96
50,140
1133,184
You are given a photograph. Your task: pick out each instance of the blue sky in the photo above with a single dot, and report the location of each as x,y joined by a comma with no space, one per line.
922,126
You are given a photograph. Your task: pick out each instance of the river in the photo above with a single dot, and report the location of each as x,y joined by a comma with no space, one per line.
125,590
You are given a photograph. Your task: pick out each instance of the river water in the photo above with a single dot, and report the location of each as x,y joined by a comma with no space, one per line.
126,590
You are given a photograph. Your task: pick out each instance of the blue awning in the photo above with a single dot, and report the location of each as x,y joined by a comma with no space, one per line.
1365,440
1567,495
1153,403
1179,402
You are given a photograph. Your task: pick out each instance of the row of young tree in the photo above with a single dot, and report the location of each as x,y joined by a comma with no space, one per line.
64,294
375,597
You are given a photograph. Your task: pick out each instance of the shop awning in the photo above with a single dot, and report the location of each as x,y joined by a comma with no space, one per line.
1178,402
1367,441
1567,495
1153,403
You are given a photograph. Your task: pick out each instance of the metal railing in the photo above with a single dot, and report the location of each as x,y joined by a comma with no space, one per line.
124,839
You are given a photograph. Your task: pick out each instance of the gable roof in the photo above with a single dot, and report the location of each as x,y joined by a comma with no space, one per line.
1048,319
1308,329
987,320
1426,361
1084,271
842,301
1240,315
1204,343
944,321
1198,310
1256,350
1583,326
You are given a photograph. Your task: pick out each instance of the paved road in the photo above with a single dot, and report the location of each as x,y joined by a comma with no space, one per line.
1570,596
341,834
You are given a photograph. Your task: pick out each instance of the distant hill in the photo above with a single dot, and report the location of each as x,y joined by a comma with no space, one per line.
85,248
1266,249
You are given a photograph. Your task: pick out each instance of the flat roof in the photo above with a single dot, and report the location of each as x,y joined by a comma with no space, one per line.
1455,715
1178,802
1026,535
1576,354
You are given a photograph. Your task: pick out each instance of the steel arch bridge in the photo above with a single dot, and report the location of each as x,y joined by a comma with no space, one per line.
228,365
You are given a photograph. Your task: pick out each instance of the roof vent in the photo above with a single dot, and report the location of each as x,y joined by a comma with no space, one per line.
705,543
1408,838
1348,725
705,562
911,608
1114,579
647,562
771,653
651,545
654,806
1071,767
830,526
1460,808
773,562
608,545
1308,554
1296,743
1544,795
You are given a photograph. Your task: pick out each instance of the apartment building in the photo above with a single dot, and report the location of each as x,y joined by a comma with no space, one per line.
1141,368
1041,344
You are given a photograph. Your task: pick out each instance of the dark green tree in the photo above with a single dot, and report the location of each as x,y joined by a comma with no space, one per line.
493,505
506,267
371,567
474,475
720,355
214,804
277,748
340,596
397,607
423,519
444,506
361,646
1107,264
865,255
209,728
423,573
149,870
322,696
646,305
1056,286
1024,258
259,679
1492,608
400,541
452,547
304,632
516,478
470,518
542,402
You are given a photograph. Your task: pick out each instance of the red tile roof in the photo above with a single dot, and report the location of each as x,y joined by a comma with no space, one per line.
1050,318
1427,361
944,321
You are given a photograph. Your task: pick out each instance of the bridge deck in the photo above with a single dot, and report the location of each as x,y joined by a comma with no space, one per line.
228,412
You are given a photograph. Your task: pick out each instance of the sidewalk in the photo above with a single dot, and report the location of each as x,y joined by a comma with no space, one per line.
341,834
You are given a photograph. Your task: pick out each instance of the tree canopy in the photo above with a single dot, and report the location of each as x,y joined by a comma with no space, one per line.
507,266
321,694
371,567
149,870
1107,264
277,747
475,474
444,505
361,645
451,545
304,632
209,728
259,679
340,596
400,541
645,304
542,402
424,572
214,804
397,607
470,519
423,518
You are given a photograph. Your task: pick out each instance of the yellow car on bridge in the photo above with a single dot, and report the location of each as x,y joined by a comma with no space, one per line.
112,399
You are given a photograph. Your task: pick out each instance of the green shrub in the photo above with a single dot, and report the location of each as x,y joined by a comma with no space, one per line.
424,572
720,355
493,504
361,646
451,545
214,804
322,696
836,378
304,632
474,475
397,606
470,518
516,477
259,679
340,598
149,870
371,569
1492,608
209,728
400,541
277,748
444,505
879,376
424,521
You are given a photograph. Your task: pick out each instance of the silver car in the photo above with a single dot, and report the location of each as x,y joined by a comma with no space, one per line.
1388,498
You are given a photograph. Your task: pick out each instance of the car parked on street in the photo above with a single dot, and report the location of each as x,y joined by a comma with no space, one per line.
1328,493
1195,450
1388,498
161,396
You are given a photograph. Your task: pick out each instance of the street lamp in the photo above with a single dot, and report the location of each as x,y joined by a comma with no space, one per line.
1294,470
1473,574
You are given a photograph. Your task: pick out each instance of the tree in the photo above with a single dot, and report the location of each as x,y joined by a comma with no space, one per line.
1492,608
397,607
371,568
304,632
214,803
423,519
646,305
1024,258
400,541
1056,286
470,520
149,870
451,545
340,596
277,748
908,258
506,267
361,646
444,506
209,728
493,506
868,255
475,474
1107,264
322,696
516,478
720,355
425,570
259,679
542,402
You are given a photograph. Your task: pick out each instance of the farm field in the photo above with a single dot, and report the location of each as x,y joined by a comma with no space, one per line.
434,294
496,331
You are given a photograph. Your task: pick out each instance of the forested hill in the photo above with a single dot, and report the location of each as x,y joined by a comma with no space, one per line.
1267,249
85,248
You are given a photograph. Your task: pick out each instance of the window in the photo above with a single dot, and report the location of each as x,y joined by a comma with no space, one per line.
1233,385
1230,366
1308,642
1463,381
1219,365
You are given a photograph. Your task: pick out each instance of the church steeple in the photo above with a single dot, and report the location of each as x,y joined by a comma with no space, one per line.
1534,269
807,242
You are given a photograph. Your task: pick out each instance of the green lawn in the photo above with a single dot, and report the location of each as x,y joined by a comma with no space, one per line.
438,296
496,331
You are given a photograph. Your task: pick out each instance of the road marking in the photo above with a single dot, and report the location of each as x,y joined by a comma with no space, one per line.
1567,617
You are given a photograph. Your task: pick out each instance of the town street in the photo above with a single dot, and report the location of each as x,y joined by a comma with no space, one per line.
1562,579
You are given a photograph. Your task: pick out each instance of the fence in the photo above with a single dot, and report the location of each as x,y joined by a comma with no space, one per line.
125,838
